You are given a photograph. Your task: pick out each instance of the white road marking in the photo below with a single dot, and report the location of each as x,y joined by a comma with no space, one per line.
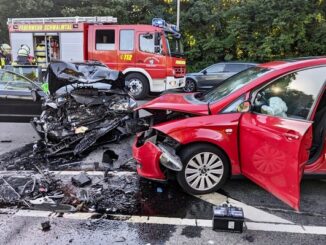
258,215
251,213
93,173
257,226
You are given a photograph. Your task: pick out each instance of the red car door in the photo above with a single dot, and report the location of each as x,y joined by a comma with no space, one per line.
276,137
273,152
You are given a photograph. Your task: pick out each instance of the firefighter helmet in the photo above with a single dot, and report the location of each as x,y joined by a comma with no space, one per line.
5,49
22,52
26,47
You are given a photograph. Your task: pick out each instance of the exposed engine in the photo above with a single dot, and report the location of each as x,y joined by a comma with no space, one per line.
85,116
87,106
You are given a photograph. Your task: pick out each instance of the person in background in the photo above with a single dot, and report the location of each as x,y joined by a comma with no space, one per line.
24,57
5,55
31,58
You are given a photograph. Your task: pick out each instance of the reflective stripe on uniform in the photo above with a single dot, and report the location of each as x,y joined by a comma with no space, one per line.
2,62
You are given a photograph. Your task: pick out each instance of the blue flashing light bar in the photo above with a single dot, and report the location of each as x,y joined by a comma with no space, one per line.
159,22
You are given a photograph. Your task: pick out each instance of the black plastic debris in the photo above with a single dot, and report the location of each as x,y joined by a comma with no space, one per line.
5,141
228,218
249,238
46,226
81,180
109,157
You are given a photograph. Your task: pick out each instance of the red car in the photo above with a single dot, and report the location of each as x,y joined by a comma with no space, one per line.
267,123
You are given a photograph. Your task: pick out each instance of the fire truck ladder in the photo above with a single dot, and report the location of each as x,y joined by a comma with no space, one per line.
77,19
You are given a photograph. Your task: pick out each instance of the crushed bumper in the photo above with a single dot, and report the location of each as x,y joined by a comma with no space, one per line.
147,157
153,158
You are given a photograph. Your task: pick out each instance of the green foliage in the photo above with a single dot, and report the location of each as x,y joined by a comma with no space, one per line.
213,30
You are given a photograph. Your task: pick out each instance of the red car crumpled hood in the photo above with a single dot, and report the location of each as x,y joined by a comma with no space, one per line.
177,102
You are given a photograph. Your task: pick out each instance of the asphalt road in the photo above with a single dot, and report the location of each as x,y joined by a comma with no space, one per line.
169,216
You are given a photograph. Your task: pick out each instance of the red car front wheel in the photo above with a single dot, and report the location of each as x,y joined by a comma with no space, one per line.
205,169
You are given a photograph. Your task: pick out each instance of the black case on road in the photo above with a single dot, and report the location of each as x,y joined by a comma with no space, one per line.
228,218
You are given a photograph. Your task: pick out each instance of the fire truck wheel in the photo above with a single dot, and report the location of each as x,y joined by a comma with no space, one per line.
138,85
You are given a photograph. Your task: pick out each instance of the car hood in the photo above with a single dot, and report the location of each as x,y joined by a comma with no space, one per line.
61,74
177,102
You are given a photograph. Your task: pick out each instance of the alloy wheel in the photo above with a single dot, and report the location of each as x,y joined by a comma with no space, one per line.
204,171
190,86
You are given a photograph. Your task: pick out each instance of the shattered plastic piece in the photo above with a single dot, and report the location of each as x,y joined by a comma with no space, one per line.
121,239
109,157
42,200
159,190
6,141
46,226
81,180
81,130
249,238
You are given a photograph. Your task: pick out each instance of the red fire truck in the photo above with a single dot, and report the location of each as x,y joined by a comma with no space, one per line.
149,55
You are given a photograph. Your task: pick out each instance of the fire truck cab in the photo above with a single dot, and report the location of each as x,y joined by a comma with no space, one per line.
150,56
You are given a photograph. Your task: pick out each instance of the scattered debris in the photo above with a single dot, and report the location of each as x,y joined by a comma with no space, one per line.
109,157
81,180
46,226
121,239
159,190
5,141
87,106
249,238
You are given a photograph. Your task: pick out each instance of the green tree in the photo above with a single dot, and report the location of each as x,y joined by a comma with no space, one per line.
213,30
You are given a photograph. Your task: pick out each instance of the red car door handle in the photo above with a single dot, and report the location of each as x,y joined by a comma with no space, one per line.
291,135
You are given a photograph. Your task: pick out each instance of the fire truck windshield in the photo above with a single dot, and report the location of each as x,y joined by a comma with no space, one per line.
175,46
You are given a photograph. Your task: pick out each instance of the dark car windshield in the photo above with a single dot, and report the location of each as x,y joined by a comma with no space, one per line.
175,46
233,83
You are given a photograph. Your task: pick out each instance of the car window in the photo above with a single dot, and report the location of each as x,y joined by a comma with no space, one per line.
233,84
146,43
234,67
11,81
105,39
234,105
126,40
215,68
293,95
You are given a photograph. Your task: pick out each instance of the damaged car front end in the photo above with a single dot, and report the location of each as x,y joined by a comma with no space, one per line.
87,106
156,152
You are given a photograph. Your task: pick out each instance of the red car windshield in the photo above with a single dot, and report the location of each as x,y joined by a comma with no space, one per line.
233,83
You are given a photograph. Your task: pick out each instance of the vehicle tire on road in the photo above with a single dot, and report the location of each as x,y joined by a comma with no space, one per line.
205,169
138,85
190,86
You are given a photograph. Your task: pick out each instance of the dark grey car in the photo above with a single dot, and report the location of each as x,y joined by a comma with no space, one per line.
213,75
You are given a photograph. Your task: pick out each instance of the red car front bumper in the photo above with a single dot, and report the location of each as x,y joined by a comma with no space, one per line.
148,163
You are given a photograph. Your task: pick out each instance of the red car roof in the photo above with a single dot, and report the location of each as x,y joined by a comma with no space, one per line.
308,61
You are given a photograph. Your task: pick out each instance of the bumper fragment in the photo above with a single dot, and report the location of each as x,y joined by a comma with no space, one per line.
147,157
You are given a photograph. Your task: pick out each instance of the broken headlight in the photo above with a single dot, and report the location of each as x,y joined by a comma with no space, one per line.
169,158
